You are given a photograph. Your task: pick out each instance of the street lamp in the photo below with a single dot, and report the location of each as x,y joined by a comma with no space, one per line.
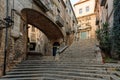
8,22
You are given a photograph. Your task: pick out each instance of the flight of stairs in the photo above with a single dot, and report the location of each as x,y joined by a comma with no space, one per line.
62,70
82,50
71,66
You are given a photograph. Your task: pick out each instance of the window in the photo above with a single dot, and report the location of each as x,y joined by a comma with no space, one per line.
80,11
58,0
33,29
69,11
58,10
87,8
66,2
33,37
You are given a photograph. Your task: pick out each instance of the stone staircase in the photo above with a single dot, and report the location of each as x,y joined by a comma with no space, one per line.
82,50
67,68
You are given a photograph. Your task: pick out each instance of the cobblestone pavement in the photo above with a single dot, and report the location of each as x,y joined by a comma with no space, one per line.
76,63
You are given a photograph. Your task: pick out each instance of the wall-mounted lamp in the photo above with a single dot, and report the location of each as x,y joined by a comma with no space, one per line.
9,21
5,21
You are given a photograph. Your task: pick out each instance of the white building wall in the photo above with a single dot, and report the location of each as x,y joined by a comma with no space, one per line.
110,13
90,3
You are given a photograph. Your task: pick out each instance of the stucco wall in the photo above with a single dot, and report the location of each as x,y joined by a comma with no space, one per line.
90,3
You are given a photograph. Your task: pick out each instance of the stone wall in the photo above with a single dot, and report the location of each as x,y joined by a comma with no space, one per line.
16,47
2,34
18,33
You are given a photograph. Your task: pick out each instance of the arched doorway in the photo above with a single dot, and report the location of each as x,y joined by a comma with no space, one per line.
56,46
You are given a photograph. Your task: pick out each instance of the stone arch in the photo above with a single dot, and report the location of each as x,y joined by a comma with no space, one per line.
42,22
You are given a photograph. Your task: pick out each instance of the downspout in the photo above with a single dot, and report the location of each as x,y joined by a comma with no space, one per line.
6,39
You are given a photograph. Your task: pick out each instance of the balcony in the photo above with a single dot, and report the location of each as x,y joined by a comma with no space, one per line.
43,4
59,21
102,2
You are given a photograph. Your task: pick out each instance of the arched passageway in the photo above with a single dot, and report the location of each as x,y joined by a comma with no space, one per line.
42,22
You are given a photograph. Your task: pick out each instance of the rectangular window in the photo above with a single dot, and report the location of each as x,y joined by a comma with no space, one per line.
33,37
87,8
70,11
33,29
58,10
58,0
80,11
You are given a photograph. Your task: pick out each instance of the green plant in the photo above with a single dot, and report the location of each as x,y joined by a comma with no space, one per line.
104,39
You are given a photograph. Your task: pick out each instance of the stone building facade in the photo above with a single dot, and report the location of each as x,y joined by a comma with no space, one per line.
86,16
49,19
106,13
37,41
71,22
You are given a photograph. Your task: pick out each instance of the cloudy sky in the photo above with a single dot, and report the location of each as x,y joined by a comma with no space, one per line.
74,1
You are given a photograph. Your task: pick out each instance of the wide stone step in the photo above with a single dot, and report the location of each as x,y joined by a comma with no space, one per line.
59,73
52,77
59,62
114,77
65,65
34,68
69,62
19,71
35,78
58,70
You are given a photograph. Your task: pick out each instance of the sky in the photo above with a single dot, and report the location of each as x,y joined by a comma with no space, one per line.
74,1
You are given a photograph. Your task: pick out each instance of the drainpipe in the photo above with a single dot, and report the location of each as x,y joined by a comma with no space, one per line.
6,38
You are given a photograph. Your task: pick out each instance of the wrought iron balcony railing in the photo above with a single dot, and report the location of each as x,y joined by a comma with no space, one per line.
102,2
59,21
43,4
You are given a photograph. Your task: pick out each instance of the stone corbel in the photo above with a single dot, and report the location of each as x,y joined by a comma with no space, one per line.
16,34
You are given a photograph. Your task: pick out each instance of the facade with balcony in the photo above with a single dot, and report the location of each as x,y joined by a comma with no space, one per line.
86,17
48,17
